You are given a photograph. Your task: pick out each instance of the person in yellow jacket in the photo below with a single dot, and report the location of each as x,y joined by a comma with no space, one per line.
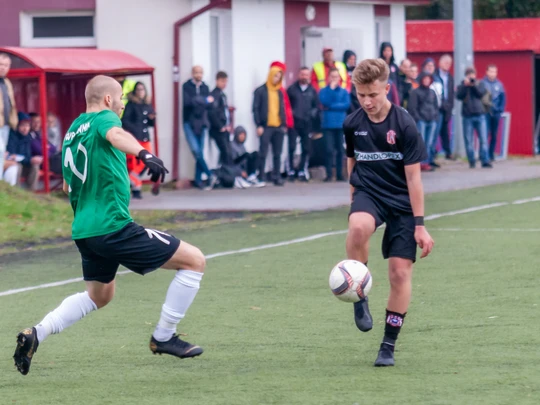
128,86
271,121
319,74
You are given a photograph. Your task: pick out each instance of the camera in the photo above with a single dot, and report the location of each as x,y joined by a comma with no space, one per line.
472,80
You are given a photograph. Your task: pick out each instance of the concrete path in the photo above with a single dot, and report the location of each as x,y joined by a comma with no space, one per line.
320,196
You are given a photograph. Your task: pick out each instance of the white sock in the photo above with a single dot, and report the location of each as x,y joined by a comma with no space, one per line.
180,295
71,310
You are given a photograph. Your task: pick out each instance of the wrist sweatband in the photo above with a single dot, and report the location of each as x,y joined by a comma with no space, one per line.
419,221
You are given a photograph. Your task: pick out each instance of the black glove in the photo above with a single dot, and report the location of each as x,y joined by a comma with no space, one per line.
154,165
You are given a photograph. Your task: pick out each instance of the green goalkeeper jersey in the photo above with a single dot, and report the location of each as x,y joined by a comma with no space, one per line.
97,176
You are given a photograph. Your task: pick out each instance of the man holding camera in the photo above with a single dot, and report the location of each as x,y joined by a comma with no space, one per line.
471,92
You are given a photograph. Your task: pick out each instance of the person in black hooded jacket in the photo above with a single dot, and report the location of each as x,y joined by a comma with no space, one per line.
387,53
139,116
424,108
220,120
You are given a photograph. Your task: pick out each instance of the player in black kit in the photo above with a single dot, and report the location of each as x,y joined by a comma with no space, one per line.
384,151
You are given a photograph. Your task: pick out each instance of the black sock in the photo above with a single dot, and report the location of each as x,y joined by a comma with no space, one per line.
394,321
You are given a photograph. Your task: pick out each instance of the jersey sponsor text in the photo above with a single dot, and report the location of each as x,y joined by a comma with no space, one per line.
376,156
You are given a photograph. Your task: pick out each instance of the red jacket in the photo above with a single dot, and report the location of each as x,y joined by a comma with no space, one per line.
288,108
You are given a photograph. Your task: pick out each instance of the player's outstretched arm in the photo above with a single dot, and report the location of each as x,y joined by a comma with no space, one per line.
416,194
125,142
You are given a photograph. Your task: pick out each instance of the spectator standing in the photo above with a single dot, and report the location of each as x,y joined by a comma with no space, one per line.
498,103
349,59
197,101
424,109
471,92
413,75
19,148
269,116
386,52
446,81
335,101
220,119
405,84
289,118
320,71
139,116
8,107
305,107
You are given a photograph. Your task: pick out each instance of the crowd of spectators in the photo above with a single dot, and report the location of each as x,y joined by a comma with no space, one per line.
309,114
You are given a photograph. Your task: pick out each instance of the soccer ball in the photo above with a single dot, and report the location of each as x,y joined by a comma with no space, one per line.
350,281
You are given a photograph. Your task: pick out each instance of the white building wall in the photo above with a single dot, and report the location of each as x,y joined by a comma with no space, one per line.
356,16
148,34
397,32
258,39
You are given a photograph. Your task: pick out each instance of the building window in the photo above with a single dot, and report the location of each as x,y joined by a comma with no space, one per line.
57,29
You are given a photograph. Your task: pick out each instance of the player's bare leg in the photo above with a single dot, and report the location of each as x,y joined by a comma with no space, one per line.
71,310
400,275
189,263
361,227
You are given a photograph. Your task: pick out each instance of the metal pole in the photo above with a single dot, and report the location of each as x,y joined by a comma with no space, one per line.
463,57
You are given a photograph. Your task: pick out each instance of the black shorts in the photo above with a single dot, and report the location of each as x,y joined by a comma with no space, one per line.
398,239
139,249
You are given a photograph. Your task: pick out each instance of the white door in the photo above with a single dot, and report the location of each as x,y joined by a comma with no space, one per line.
382,31
220,59
339,39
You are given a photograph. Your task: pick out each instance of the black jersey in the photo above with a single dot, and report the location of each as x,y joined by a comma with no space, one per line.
381,151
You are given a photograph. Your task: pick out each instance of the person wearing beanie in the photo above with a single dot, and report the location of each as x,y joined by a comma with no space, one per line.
269,116
19,149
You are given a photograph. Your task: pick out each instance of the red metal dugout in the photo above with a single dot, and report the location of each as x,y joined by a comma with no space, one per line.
54,80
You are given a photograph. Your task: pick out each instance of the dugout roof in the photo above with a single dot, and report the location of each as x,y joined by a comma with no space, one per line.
76,61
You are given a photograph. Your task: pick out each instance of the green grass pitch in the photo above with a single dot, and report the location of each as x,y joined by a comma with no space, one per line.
274,334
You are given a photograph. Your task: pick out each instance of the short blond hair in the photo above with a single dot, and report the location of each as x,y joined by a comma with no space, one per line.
370,70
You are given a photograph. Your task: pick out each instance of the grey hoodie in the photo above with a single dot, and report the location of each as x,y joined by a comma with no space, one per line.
237,148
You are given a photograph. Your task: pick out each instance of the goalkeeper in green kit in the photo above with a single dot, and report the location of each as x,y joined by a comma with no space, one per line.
97,182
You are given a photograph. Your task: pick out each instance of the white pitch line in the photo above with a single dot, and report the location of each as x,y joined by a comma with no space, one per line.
278,244
526,200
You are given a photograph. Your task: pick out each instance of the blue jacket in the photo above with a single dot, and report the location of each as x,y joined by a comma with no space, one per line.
335,105
18,144
498,95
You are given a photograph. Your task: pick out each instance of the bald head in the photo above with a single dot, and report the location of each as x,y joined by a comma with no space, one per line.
197,73
104,93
